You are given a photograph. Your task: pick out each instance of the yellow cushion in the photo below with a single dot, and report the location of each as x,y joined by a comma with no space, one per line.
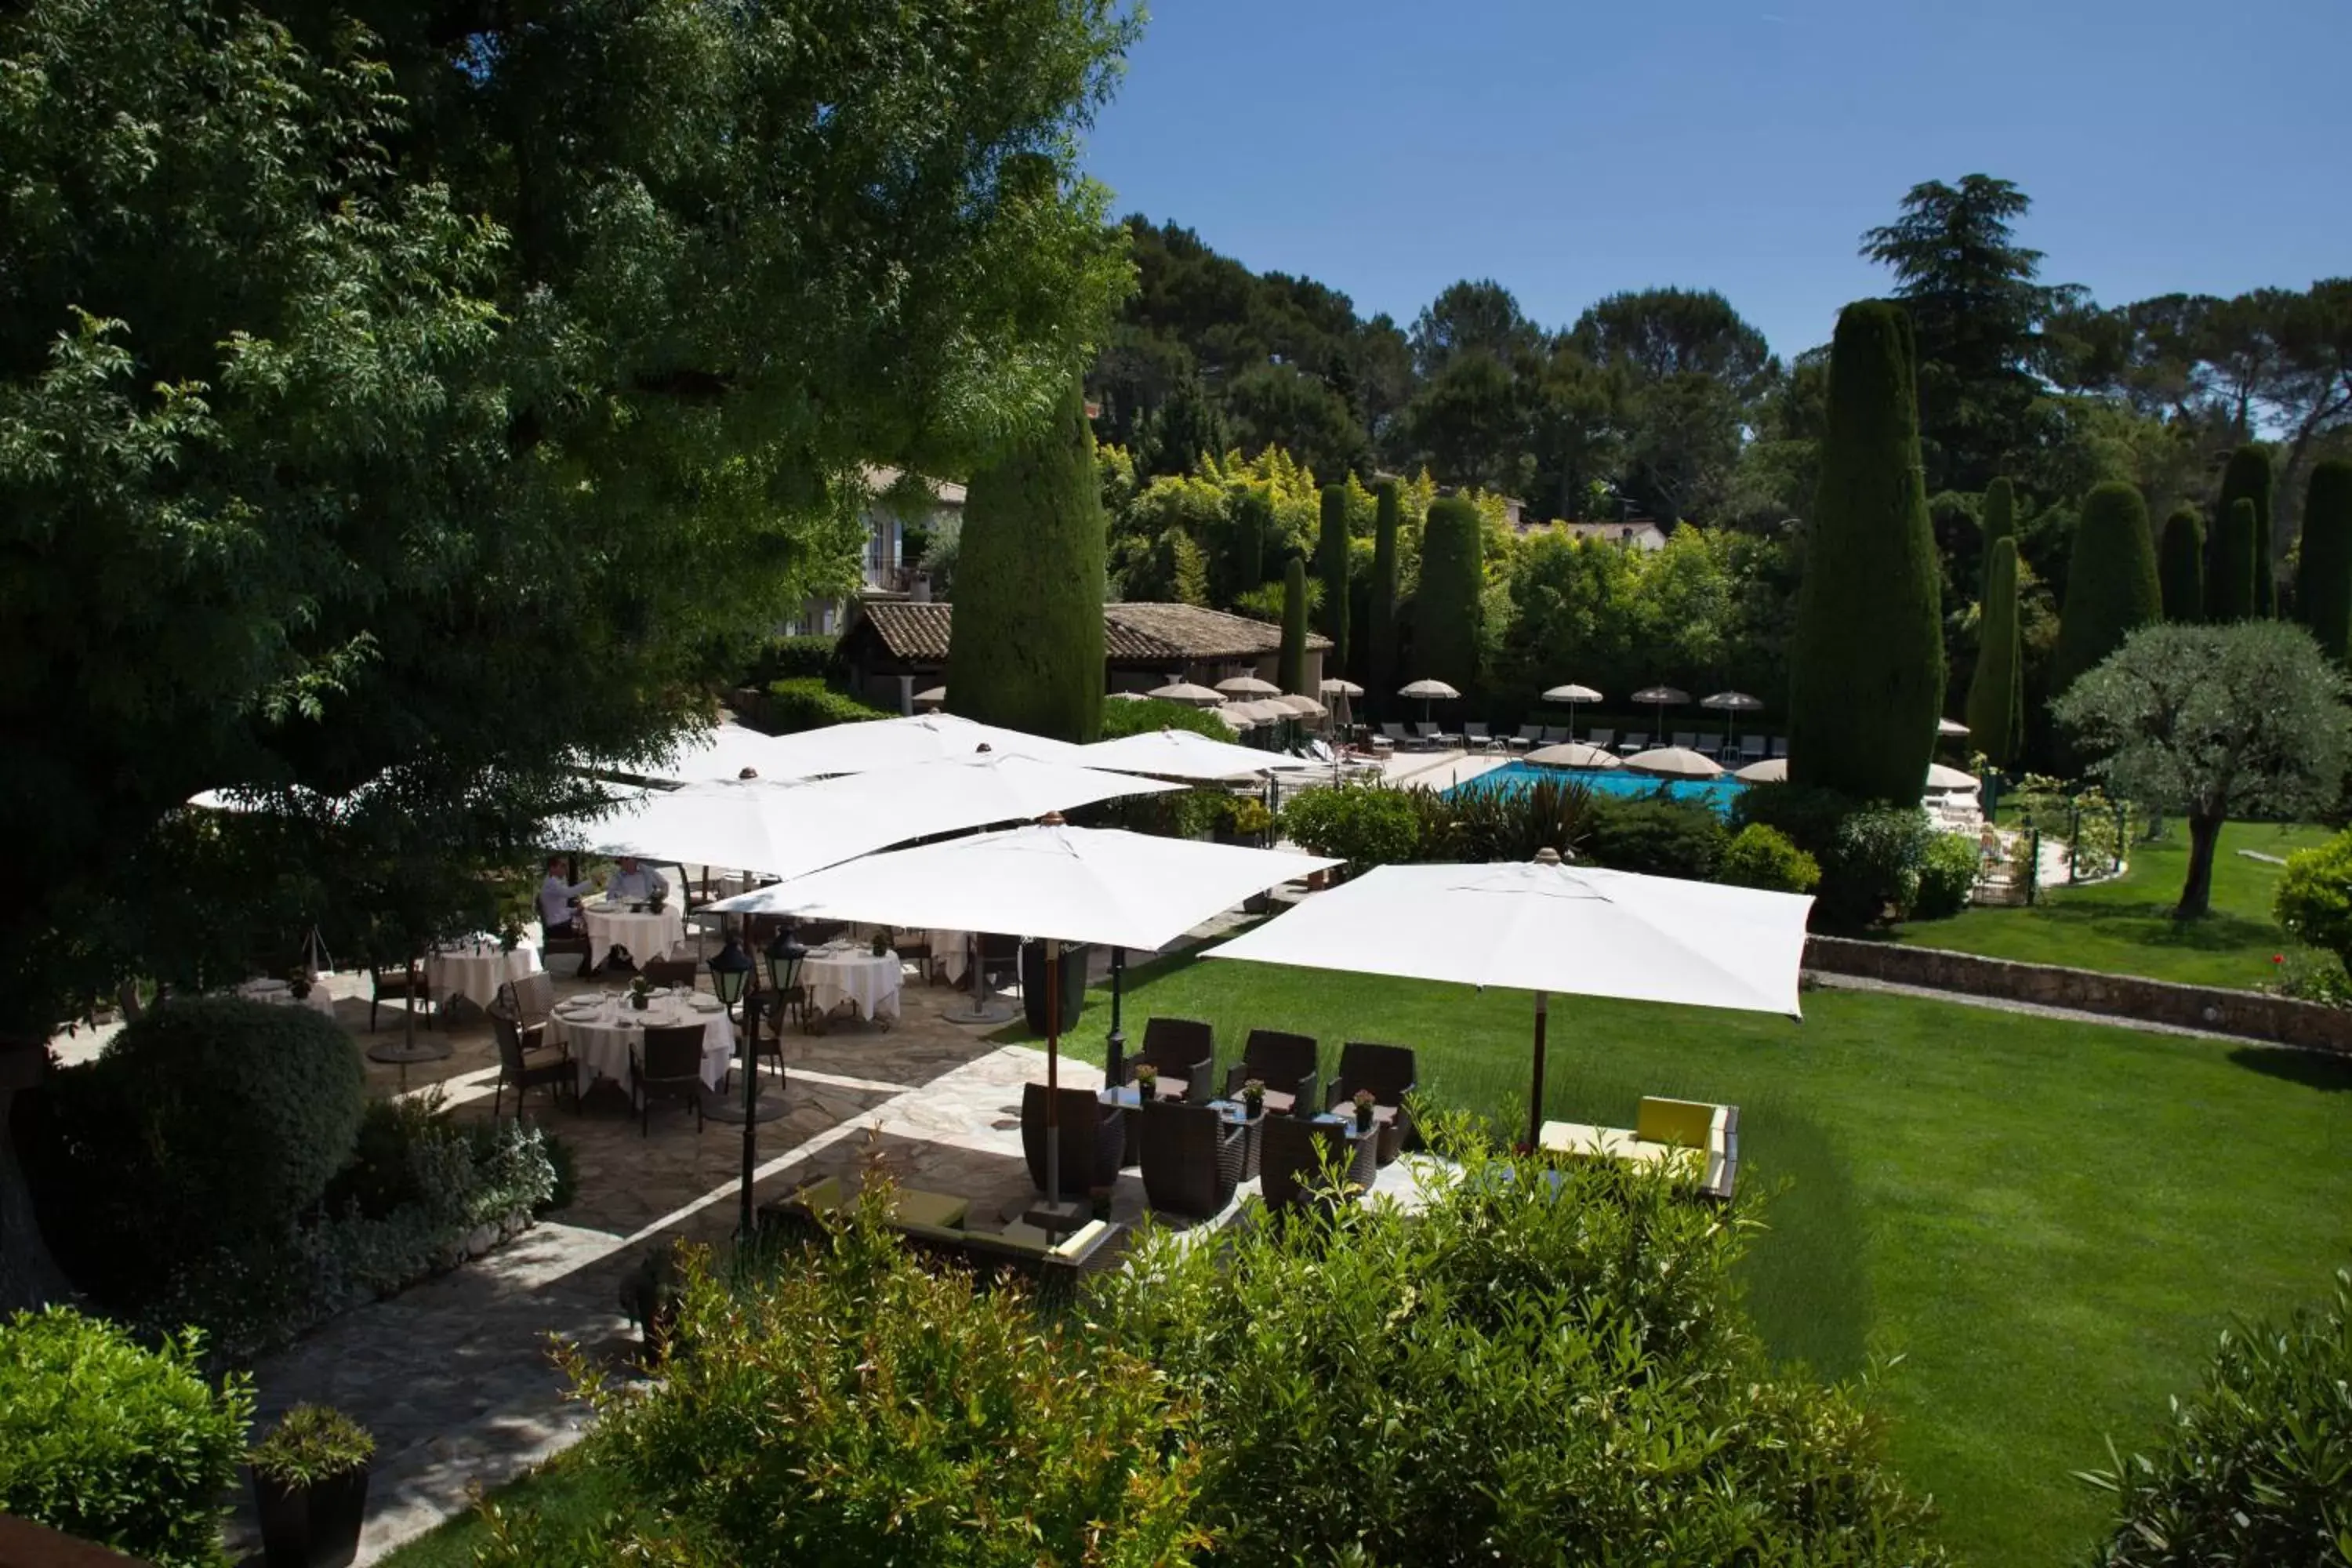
822,1196
1690,1123
1027,1238
917,1207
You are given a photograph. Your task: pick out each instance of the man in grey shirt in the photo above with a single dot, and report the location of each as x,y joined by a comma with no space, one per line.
636,884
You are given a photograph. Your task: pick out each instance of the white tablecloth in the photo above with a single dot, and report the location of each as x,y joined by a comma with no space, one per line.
949,951
280,994
600,1040
476,971
833,977
644,935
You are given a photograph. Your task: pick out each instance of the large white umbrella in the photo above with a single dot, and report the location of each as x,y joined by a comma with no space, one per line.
1300,705
1727,703
932,695
1049,880
974,792
1942,780
860,748
1265,711
1334,686
1575,754
1673,763
1182,755
1543,926
721,751
1772,770
1571,694
1429,691
1185,691
1248,686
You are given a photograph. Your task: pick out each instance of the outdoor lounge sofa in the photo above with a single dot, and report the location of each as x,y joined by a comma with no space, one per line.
1703,1139
936,1223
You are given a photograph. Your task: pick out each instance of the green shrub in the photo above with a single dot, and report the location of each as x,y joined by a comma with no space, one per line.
2322,582
123,1445
1761,857
1379,655
1996,705
851,1407
1541,1366
2230,590
1155,713
2111,585
1331,566
1873,863
1808,815
1290,669
208,1123
1657,838
2257,1462
1480,824
2311,974
1366,824
312,1443
2180,566
807,703
2247,477
2314,901
816,656
1447,606
1947,875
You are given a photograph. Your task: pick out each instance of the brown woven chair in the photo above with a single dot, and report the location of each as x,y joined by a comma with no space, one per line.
407,987
530,1001
1388,1072
1093,1136
1291,1159
915,947
998,954
569,939
680,971
524,1064
764,1040
1180,1051
1191,1159
1283,1062
669,1068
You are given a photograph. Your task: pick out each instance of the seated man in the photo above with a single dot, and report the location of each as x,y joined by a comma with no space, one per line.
559,900
636,884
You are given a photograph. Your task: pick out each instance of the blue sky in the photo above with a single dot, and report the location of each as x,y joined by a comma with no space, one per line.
1569,150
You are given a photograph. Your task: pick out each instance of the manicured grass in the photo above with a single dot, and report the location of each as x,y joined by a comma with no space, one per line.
2047,1221
2126,926
569,1496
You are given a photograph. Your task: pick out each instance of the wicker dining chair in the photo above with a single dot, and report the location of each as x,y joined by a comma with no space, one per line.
530,998
407,987
1292,1157
1388,1072
678,971
1182,1051
526,1065
1283,1062
1191,1159
670,1067
572,939
1093,1136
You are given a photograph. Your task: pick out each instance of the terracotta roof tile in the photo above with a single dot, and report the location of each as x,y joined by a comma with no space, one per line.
1178,633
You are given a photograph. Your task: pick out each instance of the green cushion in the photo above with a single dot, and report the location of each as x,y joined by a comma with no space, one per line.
917,1207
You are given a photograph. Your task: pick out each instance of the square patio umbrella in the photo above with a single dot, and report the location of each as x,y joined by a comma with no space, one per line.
1047,880
859,748
1545,926
1182,755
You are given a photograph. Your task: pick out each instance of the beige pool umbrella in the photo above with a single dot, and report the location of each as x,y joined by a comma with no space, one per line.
1575,754
1185,691
1942,780
1430,692
1248,686
1674,762
1300,706
1773,770
1571,694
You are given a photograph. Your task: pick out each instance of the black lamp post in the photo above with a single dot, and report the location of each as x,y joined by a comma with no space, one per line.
730,970
1114,1047
784,955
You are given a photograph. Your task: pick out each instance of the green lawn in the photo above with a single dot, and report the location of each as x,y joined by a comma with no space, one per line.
2126,926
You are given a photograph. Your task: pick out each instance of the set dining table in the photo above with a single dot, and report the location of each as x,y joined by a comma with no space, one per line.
645,933
602,1029
474,969
851,972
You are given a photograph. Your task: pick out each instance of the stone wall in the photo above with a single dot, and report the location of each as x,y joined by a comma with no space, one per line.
2250,1014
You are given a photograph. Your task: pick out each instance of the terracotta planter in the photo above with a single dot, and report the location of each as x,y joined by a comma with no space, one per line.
314,1526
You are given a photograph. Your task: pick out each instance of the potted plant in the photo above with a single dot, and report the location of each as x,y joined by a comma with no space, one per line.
309,1488
1254,1098
640,992
298,979
1146,1083
1364,1110
650,1297
509,936
881,944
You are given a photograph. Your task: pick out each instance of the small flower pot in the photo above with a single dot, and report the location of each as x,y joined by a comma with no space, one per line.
313,1526
640,1002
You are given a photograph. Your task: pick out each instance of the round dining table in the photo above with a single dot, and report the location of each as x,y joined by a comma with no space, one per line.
476,969
601,1030
278,993
646,934
852,973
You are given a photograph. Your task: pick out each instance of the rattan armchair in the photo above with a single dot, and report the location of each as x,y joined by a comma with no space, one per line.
1387,1071
681,972
1093,1136
1285,1063
1191,1159
669,1068
407,987
1293,1155
1182,1051
526,1064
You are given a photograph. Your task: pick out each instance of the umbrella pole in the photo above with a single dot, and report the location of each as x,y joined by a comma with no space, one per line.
1534,1093
1053,1070
1114,1047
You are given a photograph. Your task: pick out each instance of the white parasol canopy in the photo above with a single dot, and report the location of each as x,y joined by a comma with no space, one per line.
932,694
1335,687
1942,780
1950,727
862,747
1182,755
1300,705
1248,686
1266,711
1674,762
721,751
1572,693
1185,691
1544,926
1430,692
1773,770
1575,754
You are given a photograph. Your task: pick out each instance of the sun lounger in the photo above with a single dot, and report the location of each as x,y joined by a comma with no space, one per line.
1435,735
1635,741
1604,739
1529,735
1779,745
1478,736
1701,1141
1751,748
1394,733
1686,739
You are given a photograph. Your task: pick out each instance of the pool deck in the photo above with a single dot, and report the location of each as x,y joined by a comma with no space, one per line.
1438,770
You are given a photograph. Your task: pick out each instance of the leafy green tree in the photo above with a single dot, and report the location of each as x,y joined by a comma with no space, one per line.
1282,406
1468,424
2111,587
2180,566
2323,584
1446,606
1331,565
2000,518
1480,317
2212,721
1997,693
435,408
1381,663
1290,667
2248,479
2229,591
2313,903
1026,651
1693,372
1867,662
1187,427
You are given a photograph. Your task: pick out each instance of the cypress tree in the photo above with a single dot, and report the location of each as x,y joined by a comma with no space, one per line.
1290,669
1866,661
2323,583
1997,694
1381,666
2230,574
2180,567
1446,610
1252,521
2248,479
1331,562
2111,587
2000,520
1026,648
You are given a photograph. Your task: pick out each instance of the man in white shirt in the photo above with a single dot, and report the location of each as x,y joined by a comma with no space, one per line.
636,884
558,898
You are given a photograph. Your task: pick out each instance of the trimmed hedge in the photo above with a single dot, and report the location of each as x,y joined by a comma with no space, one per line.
1445,608
1331,565
815,657
2180,566
1290,669
2000,523
125,1446
1761,857
1995,706
1866,661
2111,587
2247,477
1380,654
1155,713
2229,594
1948,876
1657,838
806,703
2323,584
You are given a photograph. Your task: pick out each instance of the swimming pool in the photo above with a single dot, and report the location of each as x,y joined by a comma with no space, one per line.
1515,776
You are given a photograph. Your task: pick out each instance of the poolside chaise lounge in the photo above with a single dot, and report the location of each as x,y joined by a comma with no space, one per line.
935,1222
1704,1138
1635,741
1394,733
1604,739
1435,734
1529,735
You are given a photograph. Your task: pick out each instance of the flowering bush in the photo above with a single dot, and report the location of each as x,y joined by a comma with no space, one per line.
2309,974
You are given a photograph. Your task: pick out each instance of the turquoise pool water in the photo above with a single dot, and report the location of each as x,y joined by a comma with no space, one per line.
1717,794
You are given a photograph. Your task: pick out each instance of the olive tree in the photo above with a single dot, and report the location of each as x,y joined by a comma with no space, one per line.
2210,723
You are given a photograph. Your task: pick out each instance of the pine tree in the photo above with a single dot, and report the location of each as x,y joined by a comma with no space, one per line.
2248,479
1866,661
2180,566
2000,520
2323,583
2230,573
1027,649
1290,671
1997,694
1446,610
1185,428
1331,563
1381,664
2111,587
